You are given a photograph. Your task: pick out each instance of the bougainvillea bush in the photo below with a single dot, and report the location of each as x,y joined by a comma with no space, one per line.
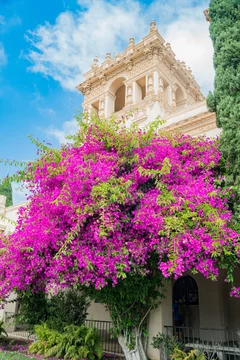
118,211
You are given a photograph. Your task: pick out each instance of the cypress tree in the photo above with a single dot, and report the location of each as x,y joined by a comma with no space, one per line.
6,189
225,100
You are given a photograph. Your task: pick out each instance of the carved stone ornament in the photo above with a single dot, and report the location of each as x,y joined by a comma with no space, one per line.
148,51
85,88
129,64
103,79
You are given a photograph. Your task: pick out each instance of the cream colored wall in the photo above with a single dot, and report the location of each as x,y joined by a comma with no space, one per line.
232,305
97,311
209,303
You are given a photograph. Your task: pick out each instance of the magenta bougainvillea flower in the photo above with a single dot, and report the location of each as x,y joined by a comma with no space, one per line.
101,207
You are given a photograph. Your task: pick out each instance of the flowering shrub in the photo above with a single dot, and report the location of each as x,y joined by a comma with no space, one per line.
121,203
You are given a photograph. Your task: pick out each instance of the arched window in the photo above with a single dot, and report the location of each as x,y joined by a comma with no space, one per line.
118,89
180,98
186,290
120,98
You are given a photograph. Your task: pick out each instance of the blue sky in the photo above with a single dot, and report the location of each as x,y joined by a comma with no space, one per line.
46,45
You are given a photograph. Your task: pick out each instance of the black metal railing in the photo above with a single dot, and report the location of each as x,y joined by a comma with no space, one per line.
222,343
110,344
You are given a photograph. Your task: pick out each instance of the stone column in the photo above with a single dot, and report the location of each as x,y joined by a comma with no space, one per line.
150,84
129,94
161,91
102,108
173,100
109,104
155,82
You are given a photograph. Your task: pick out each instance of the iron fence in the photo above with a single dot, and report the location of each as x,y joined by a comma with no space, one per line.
215,343
110,343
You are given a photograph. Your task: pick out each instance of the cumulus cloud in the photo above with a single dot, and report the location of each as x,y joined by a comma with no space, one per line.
65,49
68,128
189,37
3,56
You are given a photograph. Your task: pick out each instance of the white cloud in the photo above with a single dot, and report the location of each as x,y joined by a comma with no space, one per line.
3,56
189,37
68,128
64,50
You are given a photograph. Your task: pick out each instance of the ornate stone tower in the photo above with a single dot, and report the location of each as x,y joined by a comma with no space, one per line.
147,80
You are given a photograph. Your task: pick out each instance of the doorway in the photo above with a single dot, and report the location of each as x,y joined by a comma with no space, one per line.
185,293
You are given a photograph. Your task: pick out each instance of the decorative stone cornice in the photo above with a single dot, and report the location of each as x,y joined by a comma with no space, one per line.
194,126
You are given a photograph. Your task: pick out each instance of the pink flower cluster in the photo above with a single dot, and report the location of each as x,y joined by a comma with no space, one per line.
93,217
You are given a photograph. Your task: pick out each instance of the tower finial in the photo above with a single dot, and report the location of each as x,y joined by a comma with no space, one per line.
131,42
95,63
153,26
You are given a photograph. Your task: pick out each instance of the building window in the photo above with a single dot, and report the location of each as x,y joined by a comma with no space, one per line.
186,291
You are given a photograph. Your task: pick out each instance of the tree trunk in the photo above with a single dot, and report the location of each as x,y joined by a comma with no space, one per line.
138,353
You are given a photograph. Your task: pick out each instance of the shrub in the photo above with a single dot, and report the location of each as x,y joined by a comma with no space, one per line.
33,308
76,342
65,308
166,343
179,354
2,330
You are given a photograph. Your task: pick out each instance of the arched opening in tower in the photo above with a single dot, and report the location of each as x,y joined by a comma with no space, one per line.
118,90
120,98
180,98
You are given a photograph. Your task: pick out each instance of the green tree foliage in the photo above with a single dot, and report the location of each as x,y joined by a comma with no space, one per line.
6,190
225,100
33,308
65,308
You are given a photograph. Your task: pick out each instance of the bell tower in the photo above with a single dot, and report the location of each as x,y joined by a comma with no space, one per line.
145,80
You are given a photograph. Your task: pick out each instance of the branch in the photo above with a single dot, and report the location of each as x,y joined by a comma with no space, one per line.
139,326
128,309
